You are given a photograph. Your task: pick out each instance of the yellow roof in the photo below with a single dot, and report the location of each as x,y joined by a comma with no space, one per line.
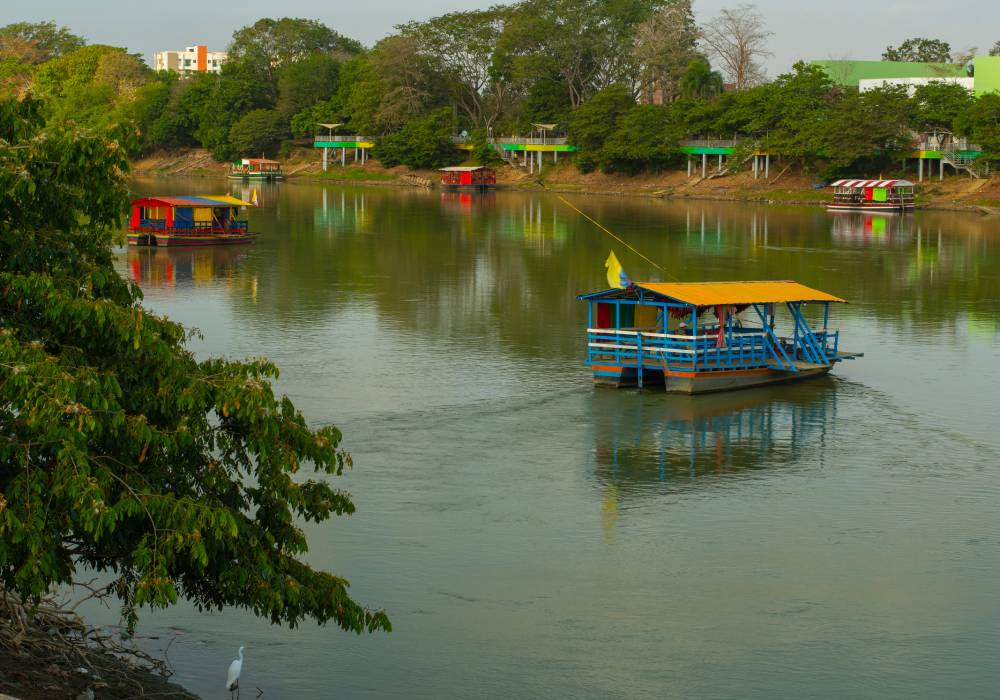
723,293
227,199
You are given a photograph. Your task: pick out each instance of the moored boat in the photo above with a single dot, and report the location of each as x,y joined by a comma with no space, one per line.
188,221
884,196
468,177
694,337
255,169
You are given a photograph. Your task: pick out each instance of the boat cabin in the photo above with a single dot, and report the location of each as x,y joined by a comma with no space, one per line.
872,195
468,176
188,220
256,169
696,337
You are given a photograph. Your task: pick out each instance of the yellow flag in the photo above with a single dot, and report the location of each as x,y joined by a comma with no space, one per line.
616,275
253,197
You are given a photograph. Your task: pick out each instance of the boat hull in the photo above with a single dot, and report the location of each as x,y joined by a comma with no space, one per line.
259,178
178,240
679,382
872,208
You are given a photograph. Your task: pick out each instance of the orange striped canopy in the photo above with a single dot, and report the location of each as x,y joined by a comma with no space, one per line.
725,293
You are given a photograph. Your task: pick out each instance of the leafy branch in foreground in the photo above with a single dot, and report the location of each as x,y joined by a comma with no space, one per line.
118,449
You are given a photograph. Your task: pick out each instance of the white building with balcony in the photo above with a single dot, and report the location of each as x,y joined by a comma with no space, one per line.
193,59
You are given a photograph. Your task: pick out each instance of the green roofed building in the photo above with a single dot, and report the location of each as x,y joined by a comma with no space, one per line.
850,73
985,72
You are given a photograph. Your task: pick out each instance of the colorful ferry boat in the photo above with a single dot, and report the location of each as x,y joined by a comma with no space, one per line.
468,177
188,220
886,196
698,337
255,169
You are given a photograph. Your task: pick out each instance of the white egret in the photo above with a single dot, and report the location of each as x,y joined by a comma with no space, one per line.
233,677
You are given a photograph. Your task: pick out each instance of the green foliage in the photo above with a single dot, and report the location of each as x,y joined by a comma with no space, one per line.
257,131
699,80
303,83
937,105
422,143
595,120
981,123
639,142
121,452
38,42
919,50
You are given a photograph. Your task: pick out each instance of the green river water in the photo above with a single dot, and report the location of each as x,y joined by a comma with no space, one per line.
531,535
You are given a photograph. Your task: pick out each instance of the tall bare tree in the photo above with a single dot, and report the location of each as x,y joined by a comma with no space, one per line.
664,45
738,38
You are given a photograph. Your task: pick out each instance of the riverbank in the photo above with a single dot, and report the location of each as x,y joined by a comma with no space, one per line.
786,186
50,652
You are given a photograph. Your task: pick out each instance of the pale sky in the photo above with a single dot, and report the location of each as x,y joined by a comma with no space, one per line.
803,29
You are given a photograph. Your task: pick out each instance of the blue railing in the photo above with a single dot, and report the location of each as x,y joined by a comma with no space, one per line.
700,353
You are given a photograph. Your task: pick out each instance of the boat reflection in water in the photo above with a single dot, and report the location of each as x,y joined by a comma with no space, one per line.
857,228
161,268
454,200
652,442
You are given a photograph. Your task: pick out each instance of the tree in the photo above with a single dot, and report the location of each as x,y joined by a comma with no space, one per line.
938,104
995,51
37,42
258,131
119,450
665,47
981,123
305,82
919,50
461,45
268,44
638,142
595,120
422,143
737,37
699,80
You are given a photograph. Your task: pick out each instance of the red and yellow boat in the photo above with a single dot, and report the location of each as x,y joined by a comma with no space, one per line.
188,221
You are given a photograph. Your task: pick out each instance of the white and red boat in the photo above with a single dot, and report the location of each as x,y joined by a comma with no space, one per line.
885,196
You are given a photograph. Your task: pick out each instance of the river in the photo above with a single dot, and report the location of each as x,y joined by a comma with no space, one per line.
531,535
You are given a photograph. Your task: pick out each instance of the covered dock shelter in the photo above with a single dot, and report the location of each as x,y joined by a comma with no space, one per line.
361,145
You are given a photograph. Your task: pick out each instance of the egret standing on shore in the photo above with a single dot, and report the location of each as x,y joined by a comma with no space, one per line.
233,678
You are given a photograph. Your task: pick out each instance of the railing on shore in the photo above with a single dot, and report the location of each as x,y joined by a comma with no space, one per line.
342,138
708,143
526,140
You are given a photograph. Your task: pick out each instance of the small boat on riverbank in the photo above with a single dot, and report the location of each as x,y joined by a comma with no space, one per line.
699,337
188,221
474,177
880,196
256,169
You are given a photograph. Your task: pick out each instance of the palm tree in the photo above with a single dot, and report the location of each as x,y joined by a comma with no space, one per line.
699,80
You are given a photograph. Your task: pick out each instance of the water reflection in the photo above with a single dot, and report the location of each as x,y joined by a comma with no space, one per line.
647,443
859,228
162,268
342,211
468,202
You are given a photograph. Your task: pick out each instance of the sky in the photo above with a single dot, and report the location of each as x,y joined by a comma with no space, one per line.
803,29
